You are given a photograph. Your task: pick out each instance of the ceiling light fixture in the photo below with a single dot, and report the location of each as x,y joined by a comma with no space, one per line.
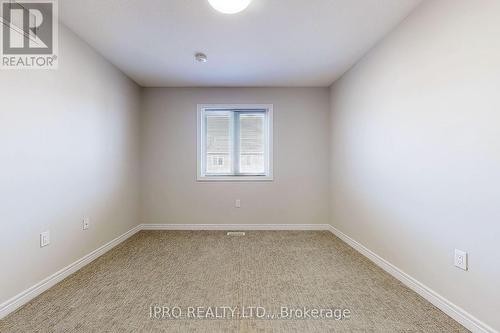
229,6
201,57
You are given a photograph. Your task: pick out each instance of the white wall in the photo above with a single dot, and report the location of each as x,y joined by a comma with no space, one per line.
415,168
68,149
299,192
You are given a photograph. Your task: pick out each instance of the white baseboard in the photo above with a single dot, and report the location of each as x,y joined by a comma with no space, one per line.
32,292
235,227
454,311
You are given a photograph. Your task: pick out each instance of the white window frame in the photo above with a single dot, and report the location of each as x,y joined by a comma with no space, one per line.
201,144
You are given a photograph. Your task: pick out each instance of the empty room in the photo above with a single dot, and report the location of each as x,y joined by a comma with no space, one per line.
250,166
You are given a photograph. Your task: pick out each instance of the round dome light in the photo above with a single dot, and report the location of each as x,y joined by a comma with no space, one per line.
229,6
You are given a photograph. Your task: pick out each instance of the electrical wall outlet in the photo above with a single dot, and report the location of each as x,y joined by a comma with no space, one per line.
460,259
237,203
44,238
86,223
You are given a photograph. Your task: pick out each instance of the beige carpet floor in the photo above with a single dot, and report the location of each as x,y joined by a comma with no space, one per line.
268,269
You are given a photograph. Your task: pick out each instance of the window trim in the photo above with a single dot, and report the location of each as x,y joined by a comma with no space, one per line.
200,151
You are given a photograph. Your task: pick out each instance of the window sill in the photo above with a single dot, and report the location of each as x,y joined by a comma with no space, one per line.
235,178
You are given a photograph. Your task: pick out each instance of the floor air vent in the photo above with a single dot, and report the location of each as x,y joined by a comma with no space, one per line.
236,233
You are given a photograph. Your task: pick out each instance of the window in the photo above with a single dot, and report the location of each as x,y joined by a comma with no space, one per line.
235,142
